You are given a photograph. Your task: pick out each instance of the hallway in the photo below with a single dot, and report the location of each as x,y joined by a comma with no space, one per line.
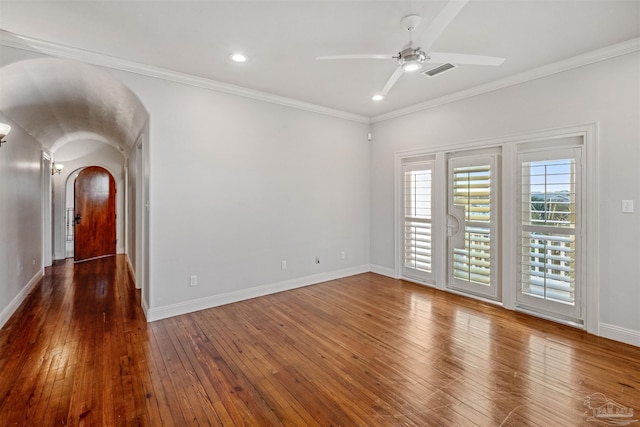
76,349
364,350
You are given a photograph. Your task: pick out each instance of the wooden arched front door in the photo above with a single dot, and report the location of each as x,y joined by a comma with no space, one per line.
95,214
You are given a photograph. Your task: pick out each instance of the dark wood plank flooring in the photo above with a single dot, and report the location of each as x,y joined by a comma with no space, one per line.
361,351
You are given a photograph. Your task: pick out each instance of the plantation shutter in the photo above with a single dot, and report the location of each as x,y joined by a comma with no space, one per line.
472,225
417,220
549,219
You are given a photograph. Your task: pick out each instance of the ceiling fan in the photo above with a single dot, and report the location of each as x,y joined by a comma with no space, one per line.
411,58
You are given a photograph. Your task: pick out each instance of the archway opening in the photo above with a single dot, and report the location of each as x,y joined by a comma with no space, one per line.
83,116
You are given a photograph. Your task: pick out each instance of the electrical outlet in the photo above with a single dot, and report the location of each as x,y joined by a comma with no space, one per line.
317,260
283,264
193,281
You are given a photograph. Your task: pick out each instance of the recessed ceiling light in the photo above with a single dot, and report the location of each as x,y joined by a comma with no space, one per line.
238,57
377,97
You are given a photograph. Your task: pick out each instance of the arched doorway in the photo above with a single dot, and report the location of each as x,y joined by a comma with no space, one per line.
79,113
95,214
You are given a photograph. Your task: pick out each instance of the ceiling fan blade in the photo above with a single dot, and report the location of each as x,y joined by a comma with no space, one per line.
431,34
461,58
359,56
392,80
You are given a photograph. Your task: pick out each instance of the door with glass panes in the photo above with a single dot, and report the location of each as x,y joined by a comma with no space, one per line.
472,224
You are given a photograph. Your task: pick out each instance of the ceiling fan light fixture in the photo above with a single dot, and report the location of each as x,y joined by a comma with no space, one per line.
411,59
411,66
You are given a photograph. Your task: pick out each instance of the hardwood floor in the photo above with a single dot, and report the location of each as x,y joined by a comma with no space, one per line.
361,351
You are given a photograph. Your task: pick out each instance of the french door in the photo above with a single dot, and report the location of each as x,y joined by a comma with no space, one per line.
472,220
526,248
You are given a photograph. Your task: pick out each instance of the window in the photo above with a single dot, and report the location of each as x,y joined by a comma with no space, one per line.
417,220
549,218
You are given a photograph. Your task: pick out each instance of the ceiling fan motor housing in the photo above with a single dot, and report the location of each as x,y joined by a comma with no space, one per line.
411,55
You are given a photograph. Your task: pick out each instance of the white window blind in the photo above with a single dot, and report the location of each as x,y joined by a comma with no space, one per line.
417,224
549,218
472,192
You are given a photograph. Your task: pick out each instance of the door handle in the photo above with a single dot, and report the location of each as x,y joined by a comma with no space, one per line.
455,220
76,220
456,226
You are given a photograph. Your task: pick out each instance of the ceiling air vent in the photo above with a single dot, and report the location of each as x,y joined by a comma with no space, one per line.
438,70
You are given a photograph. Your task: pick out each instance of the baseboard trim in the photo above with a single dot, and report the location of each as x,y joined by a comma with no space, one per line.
617,333
6,314
132,272
158,313
385,271
145,310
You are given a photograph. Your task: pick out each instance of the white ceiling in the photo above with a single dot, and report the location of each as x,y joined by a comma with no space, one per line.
282,39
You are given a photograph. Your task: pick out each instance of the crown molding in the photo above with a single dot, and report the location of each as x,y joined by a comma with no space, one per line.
602,54
17,41
10,39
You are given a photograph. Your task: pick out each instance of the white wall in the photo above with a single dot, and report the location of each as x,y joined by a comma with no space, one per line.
607,92
238,185
21,218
